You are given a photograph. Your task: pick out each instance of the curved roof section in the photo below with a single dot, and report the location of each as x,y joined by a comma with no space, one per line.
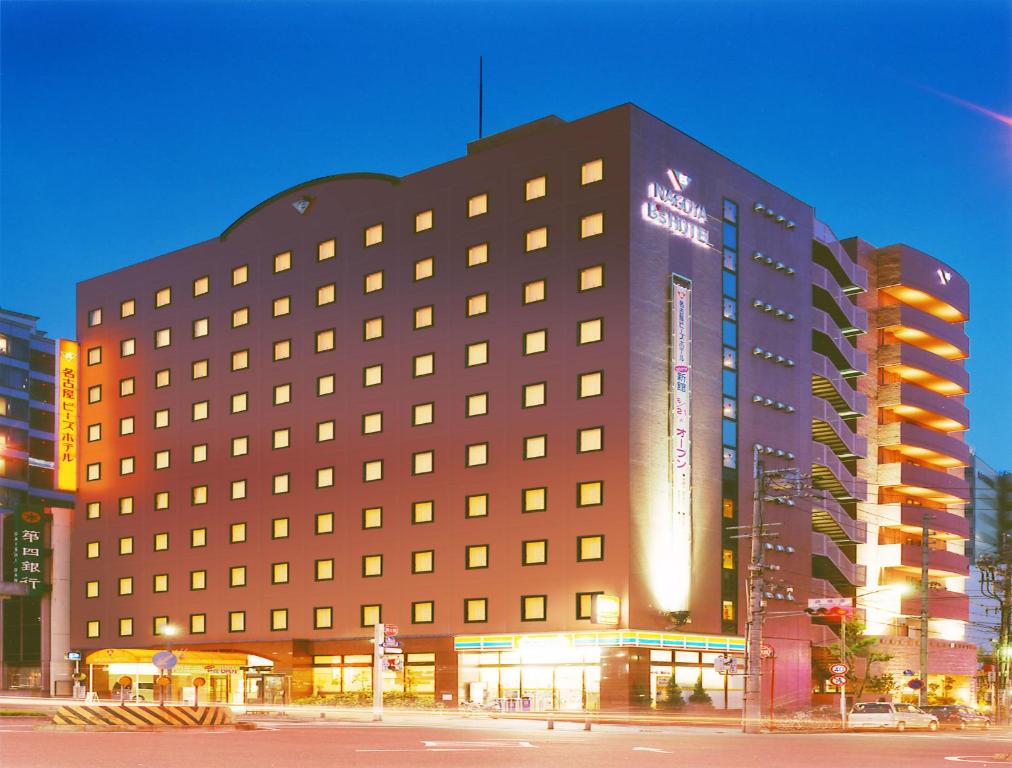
306,184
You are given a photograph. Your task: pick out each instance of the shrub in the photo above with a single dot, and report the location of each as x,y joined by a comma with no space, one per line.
699,694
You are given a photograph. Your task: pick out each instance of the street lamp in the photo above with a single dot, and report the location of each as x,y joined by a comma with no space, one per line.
168,631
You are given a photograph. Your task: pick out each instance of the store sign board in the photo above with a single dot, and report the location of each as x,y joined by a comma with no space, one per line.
29,548
66,427
606,609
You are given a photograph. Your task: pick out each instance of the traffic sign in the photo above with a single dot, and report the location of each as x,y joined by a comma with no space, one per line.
198,681
163,680
391,642
164,660
725,665
766,651
72,656
80,677
838,680
389,630
125,681
394,663
915,684
831,602
839,669
387,650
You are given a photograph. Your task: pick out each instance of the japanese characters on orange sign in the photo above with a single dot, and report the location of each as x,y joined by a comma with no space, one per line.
66,426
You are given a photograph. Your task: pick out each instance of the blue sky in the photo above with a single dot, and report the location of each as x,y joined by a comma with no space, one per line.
132,129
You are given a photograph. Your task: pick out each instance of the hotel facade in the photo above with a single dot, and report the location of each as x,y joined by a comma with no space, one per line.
510,404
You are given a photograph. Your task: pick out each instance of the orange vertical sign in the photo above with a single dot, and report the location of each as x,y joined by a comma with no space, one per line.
66,416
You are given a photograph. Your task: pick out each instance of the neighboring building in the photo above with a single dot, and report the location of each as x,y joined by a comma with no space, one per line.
28,396
482,402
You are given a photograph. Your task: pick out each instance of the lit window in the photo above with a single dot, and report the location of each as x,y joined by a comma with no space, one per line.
198,623
94,510
424,268
475,609
281,306
535,447
729,457
477,254
93,628
535,499
590,439
324,477
533,608
727,559
423,512
237,576
372,470
126,505
240,446
476,556
94,356
476,505
535,342
536,239
372,565
534,291
162,459
279,573
280,483
126,465
323,617
372,329
93,471
237,621
324,570
283,261
730,408
535,188
589,493
477,304
126,545
282,349
729,358
92,550
126,387
592,277
198,537
238,489
163,297
127,308
591,331
372,423
589,548
324,523
423,462
160,582
477,205
423,220
240,275
372,517
591,225
127,347
125,585
421,414
325,385
424,317
423,562
281,438
370,615
237,533
162,378
94,317
535,395
592,171
240,359
95,393
282,394
201,285
591,384
326,250
161,502
373,282
239,402
373,235
198,369
423,612
324,431
91,589
126,627
372,375
477,454
477,404
200,410
326,294
477,353
423,365
198,495
198,580
163,337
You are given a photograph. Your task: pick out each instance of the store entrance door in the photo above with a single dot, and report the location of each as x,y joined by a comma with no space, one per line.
218,689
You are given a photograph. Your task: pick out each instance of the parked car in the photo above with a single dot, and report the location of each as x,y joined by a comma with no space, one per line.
884,715
957,716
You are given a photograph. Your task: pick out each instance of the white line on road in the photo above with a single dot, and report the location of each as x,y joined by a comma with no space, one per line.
650,749
437,749
482,744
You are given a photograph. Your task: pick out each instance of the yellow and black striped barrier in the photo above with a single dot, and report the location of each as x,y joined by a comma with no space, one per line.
142,716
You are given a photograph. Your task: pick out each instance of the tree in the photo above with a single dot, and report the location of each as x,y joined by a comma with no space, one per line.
699,694
673,695
885,683
859,646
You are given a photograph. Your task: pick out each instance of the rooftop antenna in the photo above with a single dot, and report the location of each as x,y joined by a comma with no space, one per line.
481,93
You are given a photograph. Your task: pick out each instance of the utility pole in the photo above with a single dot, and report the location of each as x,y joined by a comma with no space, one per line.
996,583
925,552
752,708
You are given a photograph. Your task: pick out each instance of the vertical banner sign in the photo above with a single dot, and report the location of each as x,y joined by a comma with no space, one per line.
66,428
29,527
680,434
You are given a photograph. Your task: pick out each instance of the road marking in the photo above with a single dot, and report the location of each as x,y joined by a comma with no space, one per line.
480,744
650,749
438,749
977,759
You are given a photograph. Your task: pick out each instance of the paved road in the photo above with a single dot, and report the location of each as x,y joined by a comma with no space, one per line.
489,744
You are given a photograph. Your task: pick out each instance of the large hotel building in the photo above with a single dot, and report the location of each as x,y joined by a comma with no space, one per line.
510,404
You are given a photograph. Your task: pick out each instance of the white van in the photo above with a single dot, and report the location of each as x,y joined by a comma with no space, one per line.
882,715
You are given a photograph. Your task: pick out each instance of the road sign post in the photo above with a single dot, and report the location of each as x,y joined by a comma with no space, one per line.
384,637
197,682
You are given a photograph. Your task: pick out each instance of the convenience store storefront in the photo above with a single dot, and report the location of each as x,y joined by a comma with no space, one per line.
591,670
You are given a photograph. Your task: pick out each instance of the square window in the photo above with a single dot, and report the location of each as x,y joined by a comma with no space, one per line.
323,617
279,573
536,239
585,606
160,582
324,570
162,459
423,612
423,365
240,445
533,608
476,354
161,500
283,261
199,410
126,627
162,378
126,387
535,447
423,561
281,438
198,495
591,278
237,576
372,471
325,385
424,317
372,565
477,254
477,304
237,533
126,465
91,589
93,628
94,317
94,510
94,356
372,517
370,615
535,188
125,585
281,306
325,340
127,308
282,350
238,490
239,402
373,282
198,580
326,250
237,621
423,462
127,347
729,457
126,505
324,431
476,556
325,477
475,609
477,205
324,523
591,225
240,359
198,369
589,493
729,409
476,505
590,384
198,623
590,439
163,337
240,317
589,548
372,328
423,220
477,454
198,537
162,418
372,375
93,471
423,512
282,394
535,499
729,358
477,404
94,432
535,395
326,294
372,423
163,297
591,331
240,274
423,413
201,327
126,545
280,483
425,268
373,235
534,291
535,552
92,550
592,171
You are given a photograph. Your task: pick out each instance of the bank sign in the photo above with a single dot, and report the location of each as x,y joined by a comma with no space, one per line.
668,207
29,549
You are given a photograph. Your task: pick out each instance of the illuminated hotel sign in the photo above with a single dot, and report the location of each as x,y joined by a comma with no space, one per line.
666,206
680,437
66,428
